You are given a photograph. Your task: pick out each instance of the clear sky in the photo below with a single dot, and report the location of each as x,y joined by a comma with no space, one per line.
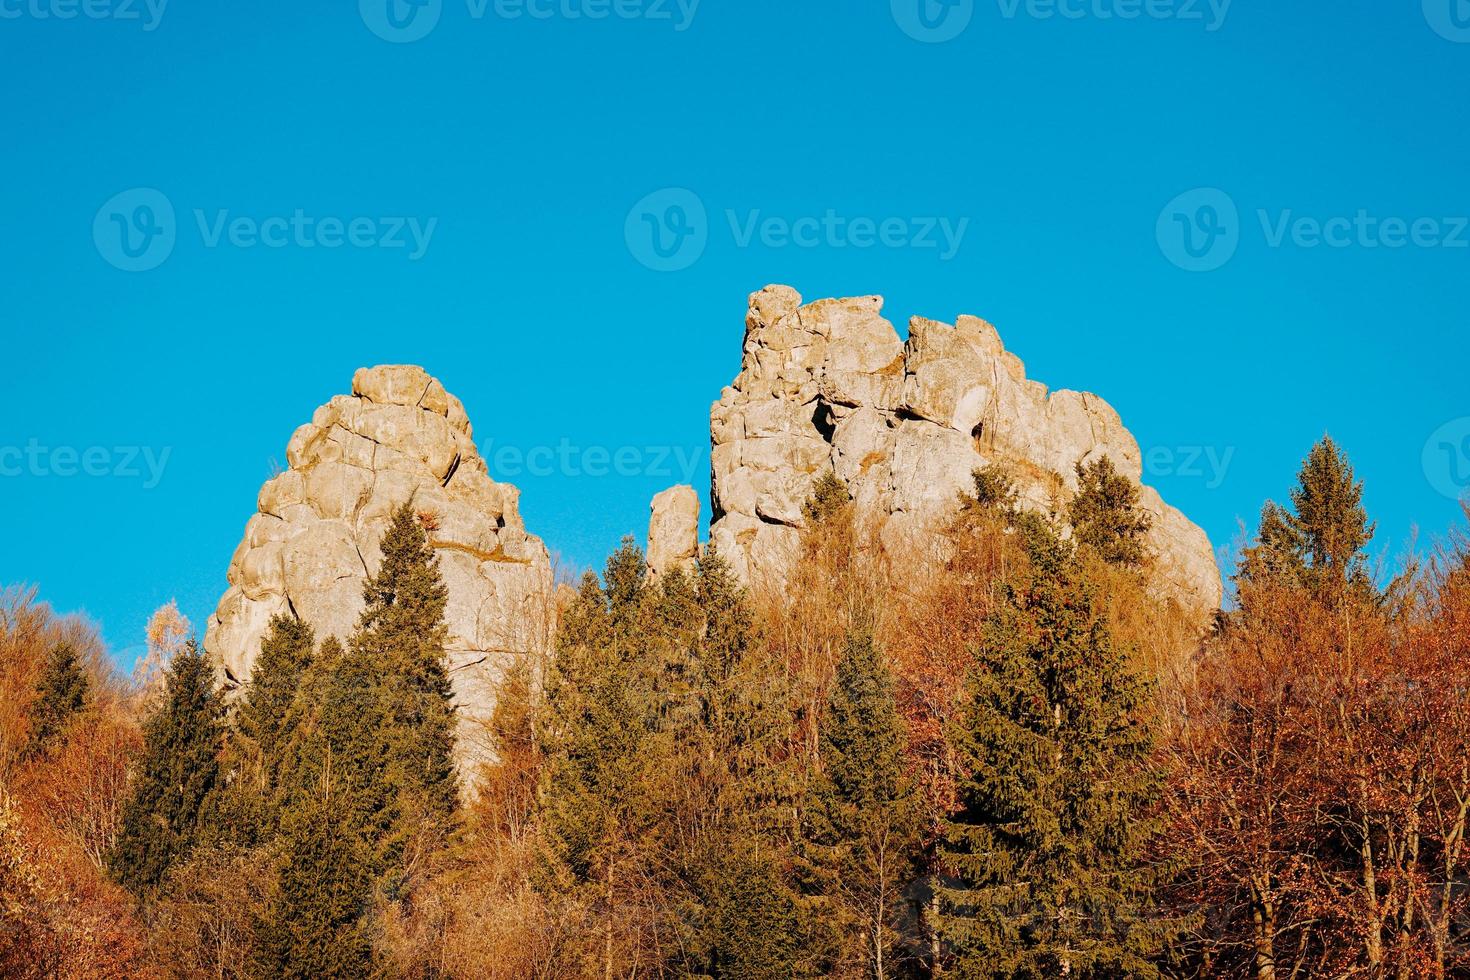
1242,224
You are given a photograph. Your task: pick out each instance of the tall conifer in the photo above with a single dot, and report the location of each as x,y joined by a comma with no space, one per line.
1046,852
164,815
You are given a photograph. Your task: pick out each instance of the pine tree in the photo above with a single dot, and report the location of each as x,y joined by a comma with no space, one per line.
1045,854
1320,542
863,813
247,807
1105,514
334,731
285,655
400,643
164,815
314,926
828,497
61,694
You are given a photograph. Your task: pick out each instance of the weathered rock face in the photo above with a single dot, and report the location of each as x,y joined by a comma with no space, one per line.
673,531
399,437
830,386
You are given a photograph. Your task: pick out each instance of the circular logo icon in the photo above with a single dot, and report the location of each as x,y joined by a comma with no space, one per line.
1449,18
135,231
1199,230
668,230
1447,459
400,21
933,21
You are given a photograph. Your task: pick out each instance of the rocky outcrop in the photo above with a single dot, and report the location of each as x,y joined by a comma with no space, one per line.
399,437
830,385
673,531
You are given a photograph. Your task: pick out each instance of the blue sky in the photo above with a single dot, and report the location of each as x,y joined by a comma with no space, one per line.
1314,154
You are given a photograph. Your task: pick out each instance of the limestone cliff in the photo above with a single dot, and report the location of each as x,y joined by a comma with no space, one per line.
830,385
399,437
823,386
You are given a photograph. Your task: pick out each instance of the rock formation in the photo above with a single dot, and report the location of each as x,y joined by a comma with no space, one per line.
823,386
673,531
399,437
830,386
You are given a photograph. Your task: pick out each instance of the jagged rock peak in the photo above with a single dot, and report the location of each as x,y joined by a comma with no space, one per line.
673,531
829,385
400,437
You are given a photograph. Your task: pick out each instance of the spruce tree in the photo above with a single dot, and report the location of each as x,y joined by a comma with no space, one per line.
1045,856
247,807
61,694
1105,514
863,818
400,643
1319,543
314,925
334,731
164,814
285,656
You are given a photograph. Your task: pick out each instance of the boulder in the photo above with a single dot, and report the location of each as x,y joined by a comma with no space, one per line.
673,531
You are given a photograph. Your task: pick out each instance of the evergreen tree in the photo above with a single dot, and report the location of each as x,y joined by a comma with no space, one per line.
247,807
1105,514
1319,543
285,656
1046,851
400,644
755,926
828,497
334,732
314,927
863,814
163,817
61,694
